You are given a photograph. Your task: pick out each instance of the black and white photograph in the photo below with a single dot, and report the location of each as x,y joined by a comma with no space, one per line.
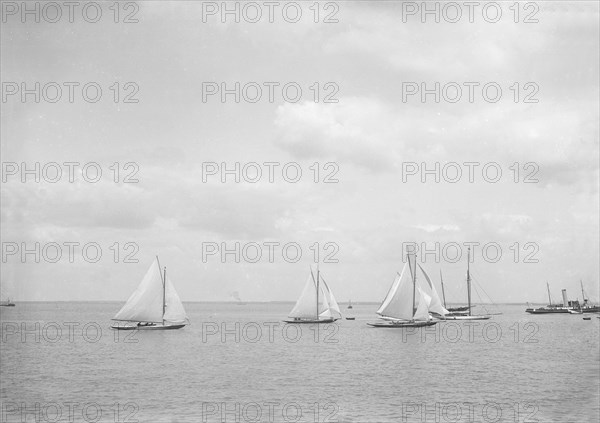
310,211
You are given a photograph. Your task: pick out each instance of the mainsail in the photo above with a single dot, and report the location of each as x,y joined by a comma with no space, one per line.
148,301
174,311
398,303
306,306
334,308
436,303
316,301
423,303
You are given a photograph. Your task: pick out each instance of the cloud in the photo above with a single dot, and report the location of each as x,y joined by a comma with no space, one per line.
435,228
349,131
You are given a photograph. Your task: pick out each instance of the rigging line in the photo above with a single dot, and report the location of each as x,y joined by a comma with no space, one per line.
481,300
486,294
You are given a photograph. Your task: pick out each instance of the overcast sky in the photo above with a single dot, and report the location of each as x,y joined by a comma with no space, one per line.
370,54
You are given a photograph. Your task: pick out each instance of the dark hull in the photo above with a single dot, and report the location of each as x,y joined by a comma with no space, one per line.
455,309
7,305
595,309
157,327
310,321
401,324
543,310
350,318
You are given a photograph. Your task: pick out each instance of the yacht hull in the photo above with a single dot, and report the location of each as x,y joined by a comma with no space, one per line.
310,321
155,327
543,310
467,317
389,324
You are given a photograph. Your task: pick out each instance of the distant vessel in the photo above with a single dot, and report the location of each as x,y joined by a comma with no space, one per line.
586,307
406,304
565,307
316,303
466,315
452,311
7,303
349,303
154,305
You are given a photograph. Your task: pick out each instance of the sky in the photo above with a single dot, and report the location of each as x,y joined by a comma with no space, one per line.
369,140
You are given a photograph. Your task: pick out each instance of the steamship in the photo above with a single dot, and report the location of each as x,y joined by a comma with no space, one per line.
567,306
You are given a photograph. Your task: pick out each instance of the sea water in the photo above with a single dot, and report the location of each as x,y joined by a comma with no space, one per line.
241,363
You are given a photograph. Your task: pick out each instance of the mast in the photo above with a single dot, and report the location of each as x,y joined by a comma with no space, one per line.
549,299
582,293
443,294
164,287
317,292
469,279
414,283
164,282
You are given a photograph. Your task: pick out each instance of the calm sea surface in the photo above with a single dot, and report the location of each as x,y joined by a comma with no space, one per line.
61,362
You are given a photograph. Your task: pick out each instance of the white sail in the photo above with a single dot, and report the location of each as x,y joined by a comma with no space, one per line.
399,301
174,311
391,292
436,304
146,302
423,303
324,310
306,306
334,308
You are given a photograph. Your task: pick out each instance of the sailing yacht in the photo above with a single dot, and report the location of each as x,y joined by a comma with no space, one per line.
7,303
154,305
454,311
408,304
468,315
316,303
